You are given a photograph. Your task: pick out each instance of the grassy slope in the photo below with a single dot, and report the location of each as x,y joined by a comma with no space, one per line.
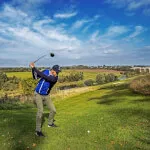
116,118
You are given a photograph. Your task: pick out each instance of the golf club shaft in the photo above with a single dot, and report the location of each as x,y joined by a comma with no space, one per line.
39,58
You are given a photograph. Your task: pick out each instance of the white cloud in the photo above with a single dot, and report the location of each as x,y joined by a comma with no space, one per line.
138,31
130,14
118,3
24,4
31,7
53,32
148,47
11,12
111,51
26,37
129,5
78,24
31,1
94,36
135,5
14,16
146,11
114,31
65,15
40,23
93,23
97,17
86,28
40,35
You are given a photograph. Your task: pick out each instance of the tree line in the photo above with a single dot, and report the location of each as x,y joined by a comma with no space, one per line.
101,79
117,67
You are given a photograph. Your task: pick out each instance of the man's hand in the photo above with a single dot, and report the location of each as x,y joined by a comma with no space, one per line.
32,64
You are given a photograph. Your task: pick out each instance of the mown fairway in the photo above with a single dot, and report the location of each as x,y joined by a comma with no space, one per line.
115,117
22,75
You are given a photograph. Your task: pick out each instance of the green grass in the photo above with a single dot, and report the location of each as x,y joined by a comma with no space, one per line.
116,118
88,74
22,75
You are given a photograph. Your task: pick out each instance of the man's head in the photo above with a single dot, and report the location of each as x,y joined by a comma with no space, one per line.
55,70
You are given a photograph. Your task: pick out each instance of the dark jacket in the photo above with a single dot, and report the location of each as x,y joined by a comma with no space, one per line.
46,82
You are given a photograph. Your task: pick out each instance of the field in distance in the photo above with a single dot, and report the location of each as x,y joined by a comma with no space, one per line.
88,73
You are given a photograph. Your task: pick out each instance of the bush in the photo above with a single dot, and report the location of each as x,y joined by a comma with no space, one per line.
100,79
28,86
9,86
76,76
110,77
89,82
80,84
106,78
3,79
141,85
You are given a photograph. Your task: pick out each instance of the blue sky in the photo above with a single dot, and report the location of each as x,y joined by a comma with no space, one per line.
87,32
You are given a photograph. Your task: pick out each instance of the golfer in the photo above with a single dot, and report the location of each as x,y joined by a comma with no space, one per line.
48,79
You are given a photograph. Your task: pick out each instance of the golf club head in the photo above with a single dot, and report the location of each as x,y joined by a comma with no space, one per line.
52,54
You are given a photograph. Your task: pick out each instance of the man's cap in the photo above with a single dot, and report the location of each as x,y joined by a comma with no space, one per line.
56,68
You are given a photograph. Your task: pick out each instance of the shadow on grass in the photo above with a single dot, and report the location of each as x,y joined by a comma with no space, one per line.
115,86
106,99
130,115
112,97
142,100
119,94
18,128
45,117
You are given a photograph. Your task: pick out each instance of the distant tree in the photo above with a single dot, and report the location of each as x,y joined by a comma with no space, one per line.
100,79
110,77
28,85
3,79
74,76
9,86
89,82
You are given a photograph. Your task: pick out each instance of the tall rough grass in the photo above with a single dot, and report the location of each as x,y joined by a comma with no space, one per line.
141,85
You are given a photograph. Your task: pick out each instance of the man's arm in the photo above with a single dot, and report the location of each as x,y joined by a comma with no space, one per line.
35,75
42,75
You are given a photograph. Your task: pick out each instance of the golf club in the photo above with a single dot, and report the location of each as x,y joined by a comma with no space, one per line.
51,55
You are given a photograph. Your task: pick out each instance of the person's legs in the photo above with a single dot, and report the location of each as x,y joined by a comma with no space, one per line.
39,103
52,110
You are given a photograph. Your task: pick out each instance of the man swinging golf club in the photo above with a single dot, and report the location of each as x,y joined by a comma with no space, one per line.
48,79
